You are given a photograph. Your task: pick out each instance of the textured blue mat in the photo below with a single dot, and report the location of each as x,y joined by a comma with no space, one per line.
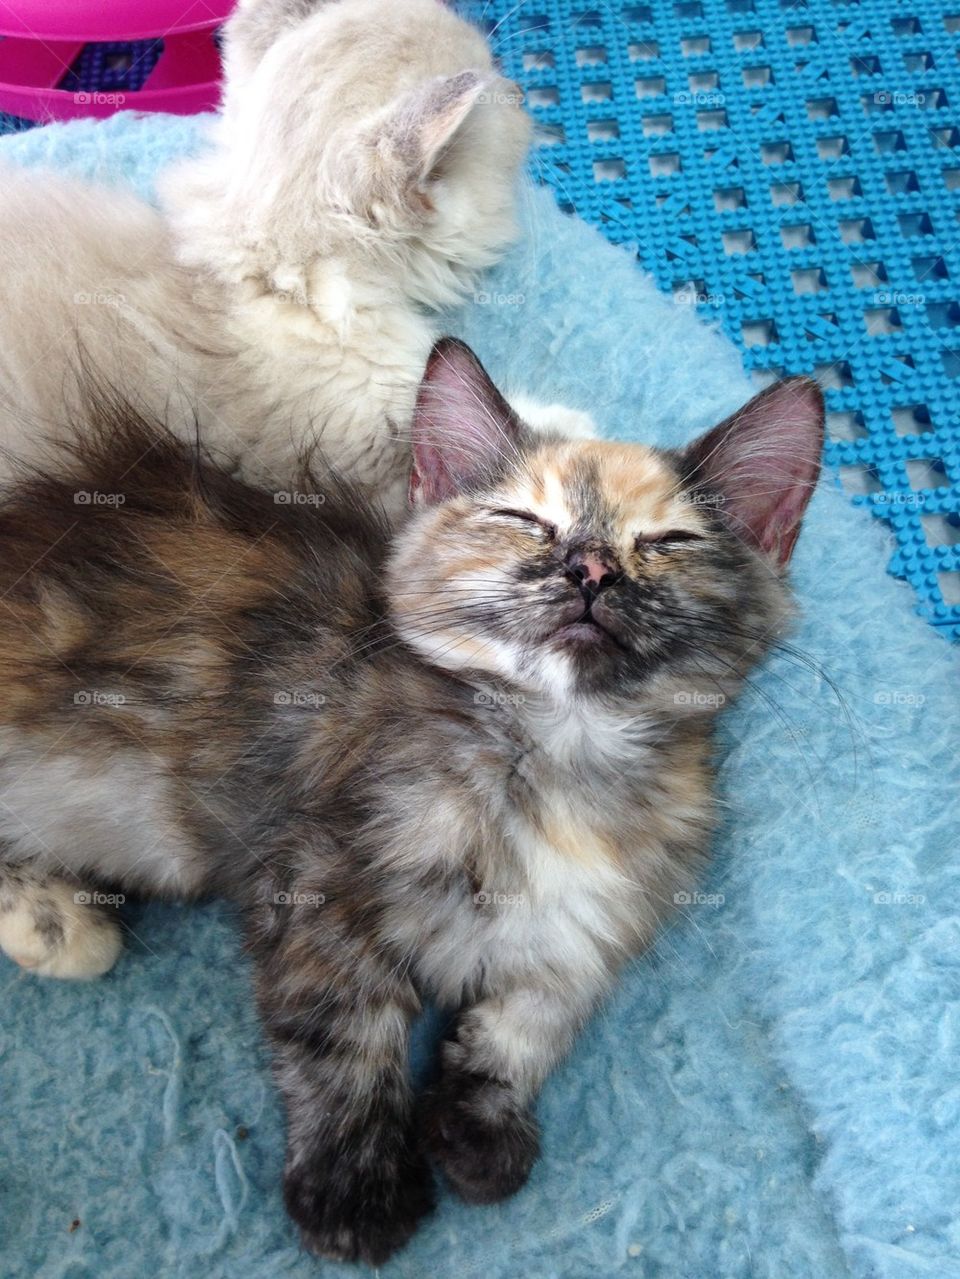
789,167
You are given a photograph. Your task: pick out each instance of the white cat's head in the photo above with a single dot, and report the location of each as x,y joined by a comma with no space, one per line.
369,127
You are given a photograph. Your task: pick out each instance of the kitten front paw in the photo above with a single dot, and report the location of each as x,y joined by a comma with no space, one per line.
358,1214
52,930
481,1139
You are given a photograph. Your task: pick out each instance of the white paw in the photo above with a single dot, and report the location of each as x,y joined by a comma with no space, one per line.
575,424
49,933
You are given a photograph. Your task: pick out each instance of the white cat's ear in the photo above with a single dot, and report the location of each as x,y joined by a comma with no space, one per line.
419,132
762,464
463,429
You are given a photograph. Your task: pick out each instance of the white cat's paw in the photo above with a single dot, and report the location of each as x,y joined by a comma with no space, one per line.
53,932
575,424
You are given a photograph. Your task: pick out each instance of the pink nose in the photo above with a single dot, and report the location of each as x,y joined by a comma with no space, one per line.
593,570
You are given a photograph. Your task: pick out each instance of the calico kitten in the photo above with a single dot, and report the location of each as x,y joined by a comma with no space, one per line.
470,764
363,168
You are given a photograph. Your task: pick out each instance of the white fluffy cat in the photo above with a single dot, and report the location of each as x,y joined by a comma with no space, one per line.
363,169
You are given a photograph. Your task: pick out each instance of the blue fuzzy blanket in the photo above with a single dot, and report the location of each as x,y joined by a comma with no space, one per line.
774,1091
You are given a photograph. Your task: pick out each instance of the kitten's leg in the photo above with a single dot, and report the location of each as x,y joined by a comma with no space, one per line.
50,927
338,1013
479,1125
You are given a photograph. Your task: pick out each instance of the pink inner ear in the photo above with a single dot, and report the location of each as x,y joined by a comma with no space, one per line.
444,111
462,425
423,123
764,460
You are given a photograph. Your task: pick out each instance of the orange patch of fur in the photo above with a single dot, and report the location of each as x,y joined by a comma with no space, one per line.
581,842
638,487
196,562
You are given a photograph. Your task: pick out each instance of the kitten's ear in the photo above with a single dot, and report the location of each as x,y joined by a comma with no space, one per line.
421,127
763,462
463,428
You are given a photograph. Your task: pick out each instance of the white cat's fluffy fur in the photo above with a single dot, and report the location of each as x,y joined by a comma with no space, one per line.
363,169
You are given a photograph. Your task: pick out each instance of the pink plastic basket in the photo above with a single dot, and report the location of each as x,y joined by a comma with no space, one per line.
42,38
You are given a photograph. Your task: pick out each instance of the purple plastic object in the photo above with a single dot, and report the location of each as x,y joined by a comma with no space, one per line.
42,38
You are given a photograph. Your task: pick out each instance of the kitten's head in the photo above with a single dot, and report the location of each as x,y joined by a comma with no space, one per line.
596,567
376,123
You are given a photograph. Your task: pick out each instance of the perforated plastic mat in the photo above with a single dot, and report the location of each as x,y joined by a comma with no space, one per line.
792,169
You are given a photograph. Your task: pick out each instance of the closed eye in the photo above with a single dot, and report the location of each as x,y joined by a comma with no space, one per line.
673,537
527,517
